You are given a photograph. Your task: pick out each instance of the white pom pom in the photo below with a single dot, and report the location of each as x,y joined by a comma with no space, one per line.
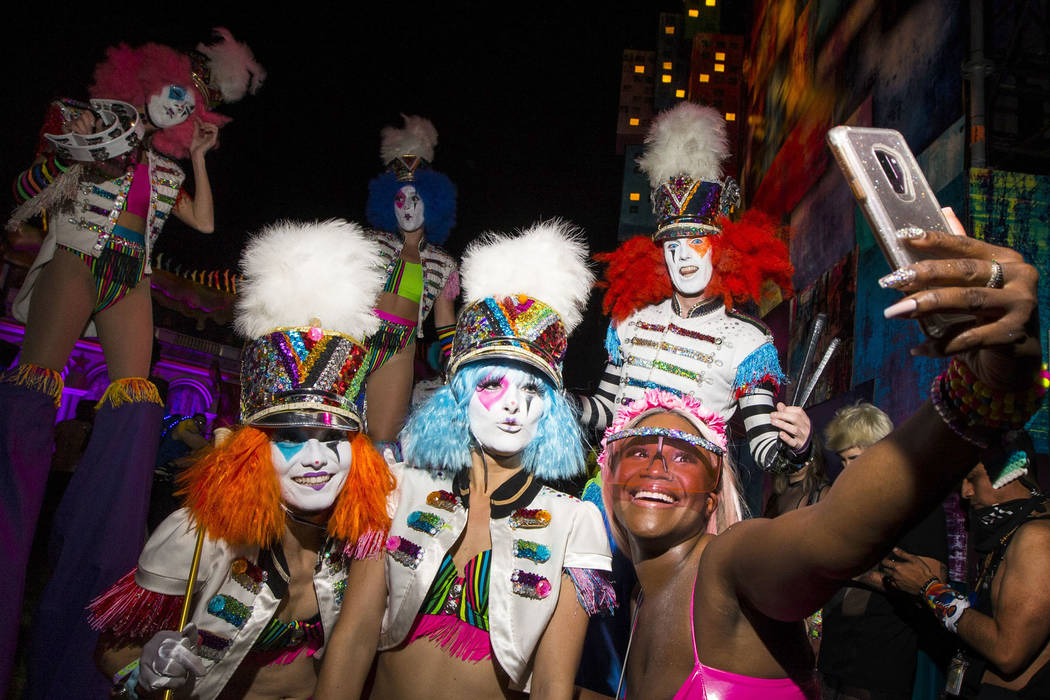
547,261
686,140
297,272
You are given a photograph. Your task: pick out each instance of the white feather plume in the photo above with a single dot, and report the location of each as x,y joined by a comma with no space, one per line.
297,271
685,140
419,137
234,69
547,261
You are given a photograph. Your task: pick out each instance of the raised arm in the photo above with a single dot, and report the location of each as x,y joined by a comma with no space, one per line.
789,566
198,211
350,649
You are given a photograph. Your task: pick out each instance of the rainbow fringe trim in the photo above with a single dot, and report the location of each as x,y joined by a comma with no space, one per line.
129,390
46,381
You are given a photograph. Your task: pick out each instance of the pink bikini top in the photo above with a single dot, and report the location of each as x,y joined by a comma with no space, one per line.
706,683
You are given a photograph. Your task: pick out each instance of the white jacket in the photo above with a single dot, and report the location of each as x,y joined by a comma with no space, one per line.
575,535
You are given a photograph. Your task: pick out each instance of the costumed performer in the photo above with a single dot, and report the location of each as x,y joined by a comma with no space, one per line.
489,573
286,501
748,586
673,325
104,182
413,208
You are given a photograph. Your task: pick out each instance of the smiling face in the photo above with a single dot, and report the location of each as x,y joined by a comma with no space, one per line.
663,489
171,106
505,413
689,264
312,465
408,209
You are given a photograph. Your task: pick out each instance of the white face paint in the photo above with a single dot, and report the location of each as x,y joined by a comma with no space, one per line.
312,465
689,264
171,106
408,208
505,413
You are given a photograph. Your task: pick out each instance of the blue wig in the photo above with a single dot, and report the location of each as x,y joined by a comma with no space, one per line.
439,203
437,435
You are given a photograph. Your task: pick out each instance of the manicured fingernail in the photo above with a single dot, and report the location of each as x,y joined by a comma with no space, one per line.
901,308
897,279
911,233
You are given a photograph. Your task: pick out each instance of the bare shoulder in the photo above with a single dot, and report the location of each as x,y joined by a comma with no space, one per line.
1031,543
718,555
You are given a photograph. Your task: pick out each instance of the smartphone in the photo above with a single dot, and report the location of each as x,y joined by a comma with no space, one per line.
893,194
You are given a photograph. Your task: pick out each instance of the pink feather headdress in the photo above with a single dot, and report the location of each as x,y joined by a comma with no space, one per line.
710,424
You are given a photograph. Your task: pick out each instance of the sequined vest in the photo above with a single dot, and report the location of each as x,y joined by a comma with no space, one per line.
713,355
438,266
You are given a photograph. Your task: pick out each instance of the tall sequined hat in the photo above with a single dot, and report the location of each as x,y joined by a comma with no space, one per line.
404,151
684,152
306,307
525,295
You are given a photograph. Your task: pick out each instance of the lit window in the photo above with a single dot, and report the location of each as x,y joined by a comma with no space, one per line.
709,3
633,121
705,78
665,78
639,69
679,93
720,68
635,196
669,30
719,56
694,13
667,65
730,116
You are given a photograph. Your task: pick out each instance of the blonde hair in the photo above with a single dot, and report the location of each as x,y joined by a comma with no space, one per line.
859,425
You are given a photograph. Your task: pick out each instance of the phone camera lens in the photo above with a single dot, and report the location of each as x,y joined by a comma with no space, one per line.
893,171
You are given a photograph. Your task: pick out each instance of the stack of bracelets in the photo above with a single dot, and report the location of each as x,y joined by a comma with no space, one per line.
978,413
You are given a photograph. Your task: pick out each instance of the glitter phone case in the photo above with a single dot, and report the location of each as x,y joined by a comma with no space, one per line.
893,194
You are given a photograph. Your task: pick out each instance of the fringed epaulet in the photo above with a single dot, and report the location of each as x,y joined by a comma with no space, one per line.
131,611
451,290
759,369
612,345
366,547
594,590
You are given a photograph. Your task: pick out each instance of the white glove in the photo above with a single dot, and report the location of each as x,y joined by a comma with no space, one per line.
167,660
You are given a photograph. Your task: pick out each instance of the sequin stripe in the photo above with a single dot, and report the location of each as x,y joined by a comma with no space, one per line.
695,335
99,192
95,210
161,168
476,591
666,367
170,201
434,602
316,358
676,349
165,182
495,314
631,381
655,327
288,356
393,280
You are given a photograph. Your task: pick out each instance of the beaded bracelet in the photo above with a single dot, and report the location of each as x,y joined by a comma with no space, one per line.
978,413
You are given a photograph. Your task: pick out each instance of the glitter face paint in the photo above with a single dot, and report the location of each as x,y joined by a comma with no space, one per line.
408,209
504,413
689,264
312,465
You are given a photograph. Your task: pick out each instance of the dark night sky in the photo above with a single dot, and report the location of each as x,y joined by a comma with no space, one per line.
524,97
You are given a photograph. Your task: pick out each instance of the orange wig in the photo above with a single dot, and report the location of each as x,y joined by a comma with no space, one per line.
233,492
744,255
